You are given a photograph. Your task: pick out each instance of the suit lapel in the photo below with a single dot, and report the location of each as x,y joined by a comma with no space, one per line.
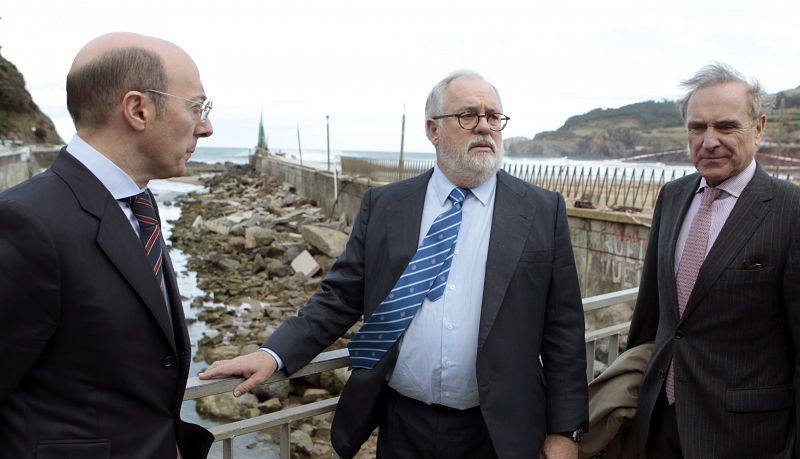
115,236
675,211
403,221
748,213
511,222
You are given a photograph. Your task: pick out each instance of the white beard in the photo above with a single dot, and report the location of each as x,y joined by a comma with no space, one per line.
470,170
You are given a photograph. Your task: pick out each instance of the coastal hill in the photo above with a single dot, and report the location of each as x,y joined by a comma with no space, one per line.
646,127
21,121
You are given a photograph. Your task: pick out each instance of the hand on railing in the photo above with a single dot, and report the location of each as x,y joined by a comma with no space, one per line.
256,368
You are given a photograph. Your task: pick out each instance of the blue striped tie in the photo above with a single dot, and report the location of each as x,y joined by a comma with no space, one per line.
425,276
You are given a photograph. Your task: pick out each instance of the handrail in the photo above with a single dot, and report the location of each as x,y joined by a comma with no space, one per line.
332,360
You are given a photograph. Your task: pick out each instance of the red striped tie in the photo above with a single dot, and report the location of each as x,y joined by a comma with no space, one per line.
149,232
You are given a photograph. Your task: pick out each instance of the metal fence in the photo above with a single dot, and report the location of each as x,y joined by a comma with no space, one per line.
623,188
610,187
326,361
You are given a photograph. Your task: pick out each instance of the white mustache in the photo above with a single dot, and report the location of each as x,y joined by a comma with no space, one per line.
482,139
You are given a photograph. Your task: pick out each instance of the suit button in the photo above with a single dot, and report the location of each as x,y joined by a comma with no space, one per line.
678,335
168,361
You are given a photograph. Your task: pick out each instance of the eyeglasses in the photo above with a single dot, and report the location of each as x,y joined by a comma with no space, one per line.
469,120
201,107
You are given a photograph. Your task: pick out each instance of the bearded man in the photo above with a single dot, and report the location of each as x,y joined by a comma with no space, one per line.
472,343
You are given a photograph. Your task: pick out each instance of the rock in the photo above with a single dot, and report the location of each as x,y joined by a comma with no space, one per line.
314,395
222,352
599,367
292,252
334,381
256,236
270,406
219,226
305,263
249,349
301,442
328,241
236,244
226,406
279,390
321,451
228,263
198,223
278,269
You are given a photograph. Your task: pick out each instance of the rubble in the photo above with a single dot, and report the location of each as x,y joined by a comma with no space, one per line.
259,251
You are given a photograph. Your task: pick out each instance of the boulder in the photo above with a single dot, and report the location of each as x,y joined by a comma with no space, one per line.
219,226
256,236
301,442
270,406
314,395
306,264
279,390
328,241
226,406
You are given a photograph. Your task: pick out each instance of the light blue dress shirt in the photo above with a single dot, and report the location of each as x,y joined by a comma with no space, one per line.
116,181
438,351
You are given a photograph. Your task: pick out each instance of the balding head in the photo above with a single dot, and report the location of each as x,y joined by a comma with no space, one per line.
113,64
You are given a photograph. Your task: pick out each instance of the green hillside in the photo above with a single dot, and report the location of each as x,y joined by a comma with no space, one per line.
20,118
646,127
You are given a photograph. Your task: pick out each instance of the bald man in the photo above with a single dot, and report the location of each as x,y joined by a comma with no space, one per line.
93,340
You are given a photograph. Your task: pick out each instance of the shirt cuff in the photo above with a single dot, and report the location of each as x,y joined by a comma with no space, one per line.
275,356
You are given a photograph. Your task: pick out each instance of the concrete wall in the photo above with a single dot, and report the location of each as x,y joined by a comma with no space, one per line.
14,168
609,246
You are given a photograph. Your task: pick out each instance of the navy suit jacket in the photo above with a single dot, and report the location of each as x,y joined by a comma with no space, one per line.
736,347
93,366
531,308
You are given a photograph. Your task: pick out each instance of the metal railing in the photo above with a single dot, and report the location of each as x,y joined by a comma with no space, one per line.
598,186
384,170
332,360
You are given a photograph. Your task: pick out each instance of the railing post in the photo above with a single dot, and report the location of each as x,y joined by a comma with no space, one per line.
590,346
227,448
286,445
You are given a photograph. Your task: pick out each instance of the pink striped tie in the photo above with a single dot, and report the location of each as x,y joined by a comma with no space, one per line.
694,252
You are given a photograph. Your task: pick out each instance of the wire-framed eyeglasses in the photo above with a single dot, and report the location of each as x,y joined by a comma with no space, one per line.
469,120
203,108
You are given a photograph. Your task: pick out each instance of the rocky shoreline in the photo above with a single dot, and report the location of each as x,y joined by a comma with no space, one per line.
259,251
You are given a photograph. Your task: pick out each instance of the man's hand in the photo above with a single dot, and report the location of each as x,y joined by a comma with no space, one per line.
255,368
558,447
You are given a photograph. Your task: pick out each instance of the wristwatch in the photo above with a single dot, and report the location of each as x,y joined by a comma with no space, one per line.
575,436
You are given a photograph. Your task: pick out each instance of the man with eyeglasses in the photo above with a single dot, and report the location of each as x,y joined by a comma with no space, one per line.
473,343
92,332
720,289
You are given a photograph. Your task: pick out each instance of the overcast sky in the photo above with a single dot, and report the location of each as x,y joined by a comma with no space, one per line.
361,62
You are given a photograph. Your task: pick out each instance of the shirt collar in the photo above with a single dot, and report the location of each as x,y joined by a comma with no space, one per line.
735,185
116,181
443,186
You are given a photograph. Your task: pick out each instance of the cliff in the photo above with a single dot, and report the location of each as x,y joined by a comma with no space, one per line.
20,118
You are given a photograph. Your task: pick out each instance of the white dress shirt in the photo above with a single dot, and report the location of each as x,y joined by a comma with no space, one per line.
439,350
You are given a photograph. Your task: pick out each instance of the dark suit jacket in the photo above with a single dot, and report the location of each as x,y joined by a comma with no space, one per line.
531,307
735,349
93,368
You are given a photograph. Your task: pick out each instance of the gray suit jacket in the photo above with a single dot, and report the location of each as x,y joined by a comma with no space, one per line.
736,347
531,308
93,367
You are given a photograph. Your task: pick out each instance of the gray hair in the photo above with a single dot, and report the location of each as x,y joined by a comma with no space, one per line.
96,87
719,73
433,106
